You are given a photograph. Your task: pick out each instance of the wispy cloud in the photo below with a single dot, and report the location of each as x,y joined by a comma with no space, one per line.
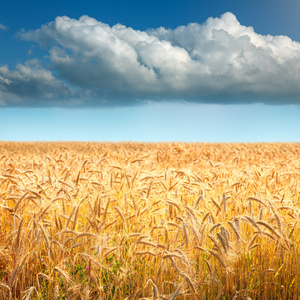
2,27
219,61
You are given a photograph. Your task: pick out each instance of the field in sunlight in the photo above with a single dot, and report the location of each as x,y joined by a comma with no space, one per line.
149,221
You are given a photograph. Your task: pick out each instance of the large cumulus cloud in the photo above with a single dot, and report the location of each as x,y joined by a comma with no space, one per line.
219,61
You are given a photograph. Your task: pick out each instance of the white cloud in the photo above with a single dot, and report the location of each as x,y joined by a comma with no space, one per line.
217,61
31,84
2,27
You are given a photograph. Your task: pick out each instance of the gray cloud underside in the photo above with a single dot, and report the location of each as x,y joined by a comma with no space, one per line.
219,61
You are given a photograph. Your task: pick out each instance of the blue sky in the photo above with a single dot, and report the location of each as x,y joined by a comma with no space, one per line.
201,71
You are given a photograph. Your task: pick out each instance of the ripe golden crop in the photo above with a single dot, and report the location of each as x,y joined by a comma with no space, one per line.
149,221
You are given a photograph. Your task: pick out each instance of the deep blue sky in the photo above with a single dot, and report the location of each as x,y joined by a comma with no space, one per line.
59,84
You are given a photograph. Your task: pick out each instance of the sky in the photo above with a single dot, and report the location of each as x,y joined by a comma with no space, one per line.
153,71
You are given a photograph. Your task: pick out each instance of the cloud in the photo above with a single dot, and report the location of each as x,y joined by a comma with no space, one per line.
2,27
219,61
31,84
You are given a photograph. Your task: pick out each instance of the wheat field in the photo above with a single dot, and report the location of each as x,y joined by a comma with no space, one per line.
149,221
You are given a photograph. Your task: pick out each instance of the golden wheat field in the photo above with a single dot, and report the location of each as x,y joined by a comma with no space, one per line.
149,221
